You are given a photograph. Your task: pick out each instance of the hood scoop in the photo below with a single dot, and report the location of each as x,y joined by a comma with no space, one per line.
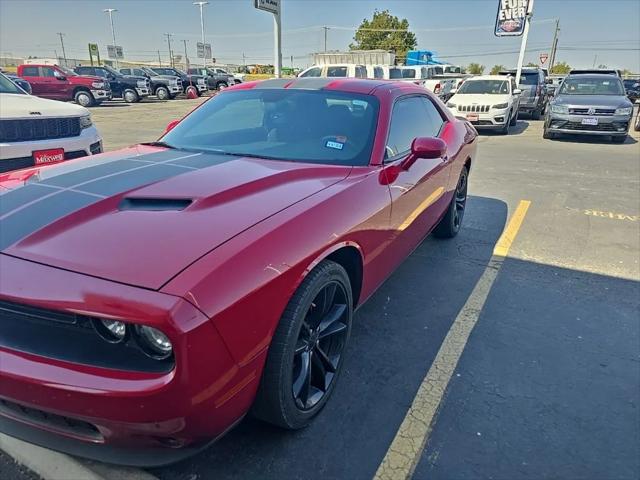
154,204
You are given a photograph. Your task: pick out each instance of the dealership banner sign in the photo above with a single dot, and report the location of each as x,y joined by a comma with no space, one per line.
512,15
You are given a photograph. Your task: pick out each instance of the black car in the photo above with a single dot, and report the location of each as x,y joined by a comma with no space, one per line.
217,79
21,82
534,97
164,87
632,87
130,88
197,82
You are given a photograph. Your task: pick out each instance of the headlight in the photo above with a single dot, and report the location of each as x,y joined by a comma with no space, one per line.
562,109
155,343
85,121
500,106
451,105
624,111
113,331
97,84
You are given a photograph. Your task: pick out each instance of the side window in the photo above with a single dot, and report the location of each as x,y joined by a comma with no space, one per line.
48,72
378,72
361,71
101,72
411,118
139,72
336,71
125,71
313,72
30,72
408,73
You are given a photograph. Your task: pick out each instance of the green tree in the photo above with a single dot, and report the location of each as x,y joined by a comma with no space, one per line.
626,72
561,68
531,64
387,32
497,69
475,69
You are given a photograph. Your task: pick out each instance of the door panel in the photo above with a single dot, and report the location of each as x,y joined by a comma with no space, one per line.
53,86
33,76
418,192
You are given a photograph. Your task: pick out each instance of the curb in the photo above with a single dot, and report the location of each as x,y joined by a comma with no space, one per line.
51,465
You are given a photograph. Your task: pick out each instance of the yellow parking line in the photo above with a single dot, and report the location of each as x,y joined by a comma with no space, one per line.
411,438
509,234
435,195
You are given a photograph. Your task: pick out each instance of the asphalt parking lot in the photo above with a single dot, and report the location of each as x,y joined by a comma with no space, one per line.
547,382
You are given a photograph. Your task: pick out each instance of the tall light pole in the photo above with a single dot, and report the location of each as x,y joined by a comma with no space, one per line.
201,5
168,35
64,54
113,32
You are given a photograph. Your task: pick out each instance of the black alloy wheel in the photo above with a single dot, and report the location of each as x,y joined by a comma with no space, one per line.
320,345
450,224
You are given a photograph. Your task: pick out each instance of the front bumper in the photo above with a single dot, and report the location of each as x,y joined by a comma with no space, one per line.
202,87
607,124
174,88
14,156
143,92
100,95
494,119
129,417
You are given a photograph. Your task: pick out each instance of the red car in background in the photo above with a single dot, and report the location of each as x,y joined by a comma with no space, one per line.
151,297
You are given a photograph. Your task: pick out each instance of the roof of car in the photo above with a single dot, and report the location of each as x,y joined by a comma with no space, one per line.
606,76
486,77
356,85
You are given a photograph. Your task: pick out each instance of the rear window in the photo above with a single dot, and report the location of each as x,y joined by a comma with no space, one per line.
312,72
30,72
336,71
529,79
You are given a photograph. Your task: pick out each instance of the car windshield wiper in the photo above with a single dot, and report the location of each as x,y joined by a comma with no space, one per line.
159,144
248,155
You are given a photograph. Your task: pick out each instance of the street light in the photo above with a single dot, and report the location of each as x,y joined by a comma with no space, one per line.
113,32
201,5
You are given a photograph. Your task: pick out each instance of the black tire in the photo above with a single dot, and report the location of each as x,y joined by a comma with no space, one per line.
84,98
162,93
618,138
130,96
450,224
536,114
636,126
504,130
514,119
291,356
221,85
546,134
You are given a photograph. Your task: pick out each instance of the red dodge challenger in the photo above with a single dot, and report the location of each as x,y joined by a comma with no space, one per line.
152,296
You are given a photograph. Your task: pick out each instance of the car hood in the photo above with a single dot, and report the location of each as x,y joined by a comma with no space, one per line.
85,79
479,99
169,78
141,215
14,106
136,78
605,101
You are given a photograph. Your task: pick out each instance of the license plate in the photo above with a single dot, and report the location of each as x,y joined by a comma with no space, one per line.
473,117
48,156
590,121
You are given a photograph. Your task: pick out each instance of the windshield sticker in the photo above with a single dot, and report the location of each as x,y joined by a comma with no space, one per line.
336,145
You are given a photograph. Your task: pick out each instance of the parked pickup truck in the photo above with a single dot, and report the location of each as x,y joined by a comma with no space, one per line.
131,89
215,78
197,82
426,76
59,83
164,87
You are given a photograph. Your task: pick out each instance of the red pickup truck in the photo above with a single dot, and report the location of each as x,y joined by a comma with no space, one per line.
59,83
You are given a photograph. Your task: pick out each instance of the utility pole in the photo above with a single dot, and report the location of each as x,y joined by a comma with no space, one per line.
244,59
186,58
159,59
201,5
554,46
64,54
168,35
326,29
113,32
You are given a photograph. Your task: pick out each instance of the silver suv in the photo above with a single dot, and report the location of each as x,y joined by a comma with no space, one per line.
591,104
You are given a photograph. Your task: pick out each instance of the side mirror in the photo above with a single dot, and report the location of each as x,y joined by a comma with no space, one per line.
517,91
425,147
171,126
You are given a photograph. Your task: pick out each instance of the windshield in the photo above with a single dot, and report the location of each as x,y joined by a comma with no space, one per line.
453,69
111,70
583,85
7,86
317,126
490,87
68,72
149,72
165,71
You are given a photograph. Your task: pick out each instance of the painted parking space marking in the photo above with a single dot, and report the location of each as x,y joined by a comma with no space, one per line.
411,438
612,215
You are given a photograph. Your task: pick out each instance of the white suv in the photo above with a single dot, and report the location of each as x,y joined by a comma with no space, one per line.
36,131
488,102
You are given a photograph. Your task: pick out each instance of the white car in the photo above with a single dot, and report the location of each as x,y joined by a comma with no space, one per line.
339,70
487,102
425,76
36,131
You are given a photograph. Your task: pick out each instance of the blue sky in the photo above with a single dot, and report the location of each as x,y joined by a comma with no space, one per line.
459,30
